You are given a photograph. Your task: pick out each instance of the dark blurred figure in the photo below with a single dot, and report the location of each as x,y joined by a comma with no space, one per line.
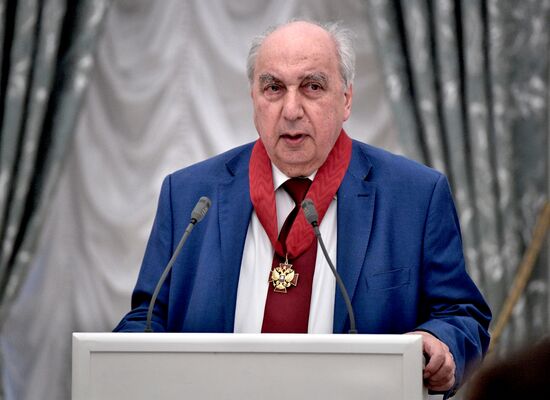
524,375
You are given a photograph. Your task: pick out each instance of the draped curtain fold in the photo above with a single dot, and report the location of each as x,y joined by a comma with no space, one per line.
45,59
469,85
168,89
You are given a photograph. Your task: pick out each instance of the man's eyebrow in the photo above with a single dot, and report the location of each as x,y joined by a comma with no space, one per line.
267,78
318,77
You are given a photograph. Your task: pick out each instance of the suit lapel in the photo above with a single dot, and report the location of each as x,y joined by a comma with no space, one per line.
235,209
356,198
355,215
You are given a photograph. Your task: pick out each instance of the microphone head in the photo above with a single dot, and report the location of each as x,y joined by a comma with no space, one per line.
310,212
201,208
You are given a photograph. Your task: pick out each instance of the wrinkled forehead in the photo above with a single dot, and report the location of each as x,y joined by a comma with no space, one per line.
299,45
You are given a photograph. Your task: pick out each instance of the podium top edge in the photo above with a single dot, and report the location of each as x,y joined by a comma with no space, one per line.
108,341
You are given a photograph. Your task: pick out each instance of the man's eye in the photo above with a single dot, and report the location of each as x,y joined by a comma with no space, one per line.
272,88
314,86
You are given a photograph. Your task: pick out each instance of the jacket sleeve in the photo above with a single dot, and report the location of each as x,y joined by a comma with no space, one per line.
157,255
451,305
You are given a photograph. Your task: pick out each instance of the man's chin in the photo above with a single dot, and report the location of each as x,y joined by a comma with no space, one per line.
296,168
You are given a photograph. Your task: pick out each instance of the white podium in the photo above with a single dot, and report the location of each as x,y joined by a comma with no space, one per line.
203,366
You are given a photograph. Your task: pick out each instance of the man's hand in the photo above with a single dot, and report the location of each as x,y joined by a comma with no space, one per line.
439,372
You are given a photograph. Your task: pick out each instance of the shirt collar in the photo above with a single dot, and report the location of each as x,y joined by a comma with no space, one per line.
279,177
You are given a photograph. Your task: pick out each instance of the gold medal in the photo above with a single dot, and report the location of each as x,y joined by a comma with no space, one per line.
283,276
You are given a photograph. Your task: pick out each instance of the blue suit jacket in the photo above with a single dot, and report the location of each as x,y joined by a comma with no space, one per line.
399,253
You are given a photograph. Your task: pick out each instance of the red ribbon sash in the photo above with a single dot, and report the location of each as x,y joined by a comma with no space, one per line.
322,191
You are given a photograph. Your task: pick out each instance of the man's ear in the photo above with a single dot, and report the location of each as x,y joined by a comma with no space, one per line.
348,94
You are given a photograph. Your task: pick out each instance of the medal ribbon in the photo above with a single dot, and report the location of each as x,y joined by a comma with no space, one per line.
322,191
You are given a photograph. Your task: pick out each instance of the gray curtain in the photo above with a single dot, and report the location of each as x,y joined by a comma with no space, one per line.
168,89
469,84
45,59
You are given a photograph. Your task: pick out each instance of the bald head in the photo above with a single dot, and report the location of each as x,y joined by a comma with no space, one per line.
341,43
294,36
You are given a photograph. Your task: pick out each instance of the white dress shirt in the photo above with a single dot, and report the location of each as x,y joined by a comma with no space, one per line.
256,268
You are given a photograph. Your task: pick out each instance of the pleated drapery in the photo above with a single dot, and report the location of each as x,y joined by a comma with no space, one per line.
469,83
46,58
168,89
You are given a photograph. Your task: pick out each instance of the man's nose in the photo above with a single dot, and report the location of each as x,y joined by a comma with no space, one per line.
293,107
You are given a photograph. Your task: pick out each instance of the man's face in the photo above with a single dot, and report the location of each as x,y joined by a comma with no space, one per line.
300,102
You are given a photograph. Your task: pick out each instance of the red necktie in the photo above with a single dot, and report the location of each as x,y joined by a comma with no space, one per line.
289,312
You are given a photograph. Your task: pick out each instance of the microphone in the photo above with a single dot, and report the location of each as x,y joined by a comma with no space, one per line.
311,216
198,213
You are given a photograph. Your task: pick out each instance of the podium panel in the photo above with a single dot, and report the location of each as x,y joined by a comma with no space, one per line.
246,366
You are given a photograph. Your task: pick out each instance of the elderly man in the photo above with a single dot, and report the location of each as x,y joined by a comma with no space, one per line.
253,264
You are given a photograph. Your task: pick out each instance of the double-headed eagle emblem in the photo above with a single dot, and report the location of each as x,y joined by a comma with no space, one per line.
282,277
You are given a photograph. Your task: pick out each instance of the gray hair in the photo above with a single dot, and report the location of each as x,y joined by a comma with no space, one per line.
343,38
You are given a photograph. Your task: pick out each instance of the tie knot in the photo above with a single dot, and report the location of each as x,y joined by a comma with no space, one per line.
297,188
